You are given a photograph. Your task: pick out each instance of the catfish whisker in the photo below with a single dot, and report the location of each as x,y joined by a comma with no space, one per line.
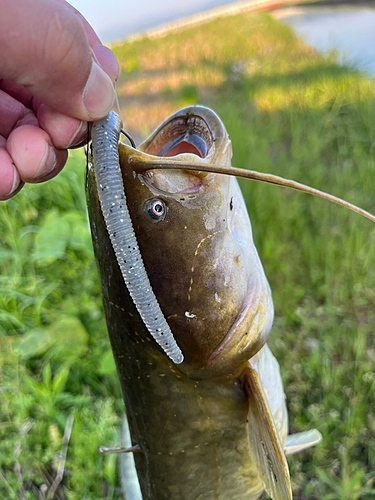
150,164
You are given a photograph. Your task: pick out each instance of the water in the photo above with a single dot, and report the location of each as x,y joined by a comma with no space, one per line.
348,30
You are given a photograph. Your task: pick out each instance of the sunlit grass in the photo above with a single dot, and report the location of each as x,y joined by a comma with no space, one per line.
288,111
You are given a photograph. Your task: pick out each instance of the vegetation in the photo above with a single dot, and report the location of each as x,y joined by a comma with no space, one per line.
288,111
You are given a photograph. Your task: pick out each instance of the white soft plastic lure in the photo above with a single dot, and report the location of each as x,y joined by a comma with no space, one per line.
105,137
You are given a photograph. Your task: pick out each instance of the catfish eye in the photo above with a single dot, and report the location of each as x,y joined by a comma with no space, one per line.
156,209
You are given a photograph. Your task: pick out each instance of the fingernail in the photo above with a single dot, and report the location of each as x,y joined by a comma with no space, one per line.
16,182
99,94
47,164
76,138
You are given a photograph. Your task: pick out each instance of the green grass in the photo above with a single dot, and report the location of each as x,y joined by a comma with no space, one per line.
288,111
55,358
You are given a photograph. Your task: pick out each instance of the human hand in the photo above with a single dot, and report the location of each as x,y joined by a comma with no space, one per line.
55,75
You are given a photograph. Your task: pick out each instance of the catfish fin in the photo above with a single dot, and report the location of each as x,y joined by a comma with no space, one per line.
267,452
128,472
301,441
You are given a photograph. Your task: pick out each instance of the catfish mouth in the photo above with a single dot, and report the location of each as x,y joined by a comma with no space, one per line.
188,135
182,135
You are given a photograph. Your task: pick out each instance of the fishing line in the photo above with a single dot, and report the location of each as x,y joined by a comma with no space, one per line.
86,153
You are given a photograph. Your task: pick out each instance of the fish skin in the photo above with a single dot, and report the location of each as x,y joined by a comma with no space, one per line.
190,420
201,259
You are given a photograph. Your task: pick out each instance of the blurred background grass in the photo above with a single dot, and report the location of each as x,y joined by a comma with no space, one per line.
288,111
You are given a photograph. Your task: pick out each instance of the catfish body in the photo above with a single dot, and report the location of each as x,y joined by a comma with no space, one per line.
191,420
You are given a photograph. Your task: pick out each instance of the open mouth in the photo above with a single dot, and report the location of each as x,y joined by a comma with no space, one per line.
189,134
186,147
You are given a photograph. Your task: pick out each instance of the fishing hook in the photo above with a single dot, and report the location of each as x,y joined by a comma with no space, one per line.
129,137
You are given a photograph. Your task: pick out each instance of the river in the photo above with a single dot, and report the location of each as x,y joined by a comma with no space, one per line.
349,30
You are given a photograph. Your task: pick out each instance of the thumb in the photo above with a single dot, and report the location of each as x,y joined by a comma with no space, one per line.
44,47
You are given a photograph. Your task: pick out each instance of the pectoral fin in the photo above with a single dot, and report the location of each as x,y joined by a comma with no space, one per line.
301,441
267,452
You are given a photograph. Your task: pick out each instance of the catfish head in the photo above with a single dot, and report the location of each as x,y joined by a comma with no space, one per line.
195,238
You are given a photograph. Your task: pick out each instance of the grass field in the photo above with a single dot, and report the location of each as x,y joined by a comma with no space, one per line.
288,111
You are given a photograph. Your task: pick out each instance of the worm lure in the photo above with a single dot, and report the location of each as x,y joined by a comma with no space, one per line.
105,137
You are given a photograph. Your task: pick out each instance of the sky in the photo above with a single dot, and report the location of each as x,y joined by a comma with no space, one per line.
116,19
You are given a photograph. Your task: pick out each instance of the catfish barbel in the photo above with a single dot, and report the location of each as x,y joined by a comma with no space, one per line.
205,402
